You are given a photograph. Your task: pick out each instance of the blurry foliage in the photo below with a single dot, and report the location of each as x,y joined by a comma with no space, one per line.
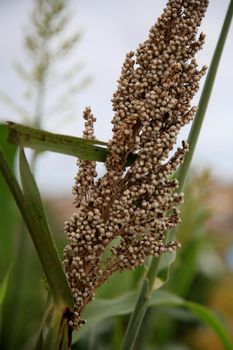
50,44
222,301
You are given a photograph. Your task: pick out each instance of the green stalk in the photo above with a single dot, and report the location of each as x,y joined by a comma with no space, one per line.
44,245
144,294
138,314
204,99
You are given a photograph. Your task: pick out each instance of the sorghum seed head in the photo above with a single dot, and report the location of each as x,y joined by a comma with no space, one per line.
131,208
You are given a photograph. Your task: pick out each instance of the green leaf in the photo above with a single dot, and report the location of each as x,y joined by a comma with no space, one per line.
31,193
119,283
8,211
46,141
58,335
9,150
164,269
102,309
185,272
40,338
212,321
4,285
40,140
34,219
42,237
3,291
206,316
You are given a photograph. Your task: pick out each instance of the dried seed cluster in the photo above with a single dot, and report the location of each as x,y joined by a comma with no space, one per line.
128,210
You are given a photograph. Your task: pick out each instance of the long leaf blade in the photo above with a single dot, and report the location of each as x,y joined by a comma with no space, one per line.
59,335
102,309
40,140
42,237
4,285
212,321
51,264
3,291
7,205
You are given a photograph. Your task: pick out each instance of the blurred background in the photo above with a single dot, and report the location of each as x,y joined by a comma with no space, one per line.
53,64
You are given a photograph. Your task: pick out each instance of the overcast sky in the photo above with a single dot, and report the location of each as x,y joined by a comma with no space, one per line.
111,28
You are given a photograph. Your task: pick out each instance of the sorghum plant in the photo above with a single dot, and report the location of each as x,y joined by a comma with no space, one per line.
121,218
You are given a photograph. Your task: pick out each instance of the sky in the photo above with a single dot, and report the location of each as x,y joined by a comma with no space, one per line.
110,29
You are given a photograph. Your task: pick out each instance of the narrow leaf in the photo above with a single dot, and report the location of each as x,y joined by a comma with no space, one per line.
212,321
4,285
42,237
58,336
3,292
46,141
31,192
164,267
141,307
102,309
205,315
40,339
7,205
40,140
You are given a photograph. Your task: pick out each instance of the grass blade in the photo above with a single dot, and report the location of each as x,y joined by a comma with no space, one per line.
40,339
212,321
4,285
40,140
3,291
42,237
8,208
59,333
102,309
